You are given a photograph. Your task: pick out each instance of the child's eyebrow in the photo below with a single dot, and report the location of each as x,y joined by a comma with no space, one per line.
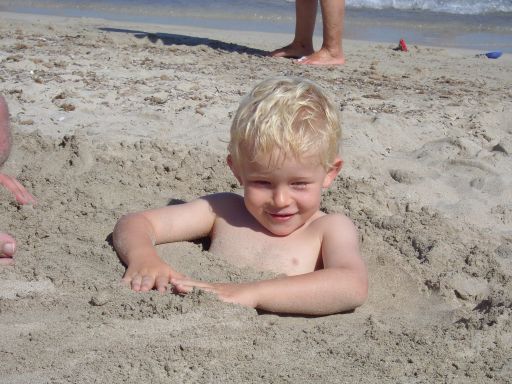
255,175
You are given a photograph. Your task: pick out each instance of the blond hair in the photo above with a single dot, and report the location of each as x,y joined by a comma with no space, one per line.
292,116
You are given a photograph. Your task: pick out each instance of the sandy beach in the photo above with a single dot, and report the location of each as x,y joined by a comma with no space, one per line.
112,117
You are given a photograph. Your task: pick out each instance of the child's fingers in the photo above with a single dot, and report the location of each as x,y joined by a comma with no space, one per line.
185,282
147,283
161,283
177,288
128,276
127,279
142,283
187,285
135,282
180,286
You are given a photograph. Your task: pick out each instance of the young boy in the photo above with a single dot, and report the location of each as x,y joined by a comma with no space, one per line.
283,150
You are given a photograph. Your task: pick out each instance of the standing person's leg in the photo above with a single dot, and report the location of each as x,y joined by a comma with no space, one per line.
331,53
302,44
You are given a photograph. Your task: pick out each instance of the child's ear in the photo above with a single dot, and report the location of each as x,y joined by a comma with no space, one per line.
232,166
333,172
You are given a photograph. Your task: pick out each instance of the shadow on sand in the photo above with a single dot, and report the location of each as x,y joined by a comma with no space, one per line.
191,41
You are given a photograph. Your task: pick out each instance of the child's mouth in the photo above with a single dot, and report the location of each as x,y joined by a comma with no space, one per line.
281,216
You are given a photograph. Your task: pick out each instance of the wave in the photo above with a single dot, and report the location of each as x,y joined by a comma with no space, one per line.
462,7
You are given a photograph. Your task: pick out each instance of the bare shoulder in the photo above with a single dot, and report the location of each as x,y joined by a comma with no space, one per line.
340,241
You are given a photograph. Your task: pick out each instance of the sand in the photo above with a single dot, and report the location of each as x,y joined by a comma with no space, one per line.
113,117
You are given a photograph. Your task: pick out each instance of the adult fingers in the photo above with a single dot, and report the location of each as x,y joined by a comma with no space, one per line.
21,195
6,261
19,192
7,245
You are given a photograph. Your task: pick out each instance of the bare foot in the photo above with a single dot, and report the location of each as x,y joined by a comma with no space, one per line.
293,51
19,192
7,249
322,57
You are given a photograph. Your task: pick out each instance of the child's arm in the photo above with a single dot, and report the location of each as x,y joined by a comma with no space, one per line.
340,286
135,236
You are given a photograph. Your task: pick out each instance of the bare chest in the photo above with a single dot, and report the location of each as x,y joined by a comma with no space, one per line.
292,255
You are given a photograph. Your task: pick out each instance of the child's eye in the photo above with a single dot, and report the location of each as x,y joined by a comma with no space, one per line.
300,184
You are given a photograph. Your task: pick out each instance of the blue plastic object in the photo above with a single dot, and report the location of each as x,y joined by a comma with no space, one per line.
493,55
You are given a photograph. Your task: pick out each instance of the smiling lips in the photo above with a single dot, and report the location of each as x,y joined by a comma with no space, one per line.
281,216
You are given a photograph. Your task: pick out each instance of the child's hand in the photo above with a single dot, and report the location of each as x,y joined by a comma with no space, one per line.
243,294
150,274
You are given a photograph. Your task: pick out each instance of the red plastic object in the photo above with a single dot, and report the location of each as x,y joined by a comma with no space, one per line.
402,45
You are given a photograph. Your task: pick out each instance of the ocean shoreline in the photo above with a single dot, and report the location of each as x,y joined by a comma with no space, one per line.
476,32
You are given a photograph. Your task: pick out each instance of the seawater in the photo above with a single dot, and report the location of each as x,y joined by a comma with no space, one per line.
473,24
276,8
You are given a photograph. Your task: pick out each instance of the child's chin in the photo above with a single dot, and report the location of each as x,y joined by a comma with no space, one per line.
280,231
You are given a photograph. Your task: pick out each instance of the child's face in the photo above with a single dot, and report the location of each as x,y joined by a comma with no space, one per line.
283,197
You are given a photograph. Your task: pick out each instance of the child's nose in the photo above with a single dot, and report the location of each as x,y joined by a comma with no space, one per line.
281,197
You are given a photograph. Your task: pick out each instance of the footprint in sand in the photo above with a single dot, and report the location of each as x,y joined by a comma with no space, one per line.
403,176
490,184
449,149
458,160
438,149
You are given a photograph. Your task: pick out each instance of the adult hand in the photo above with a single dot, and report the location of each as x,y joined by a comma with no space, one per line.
19,192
